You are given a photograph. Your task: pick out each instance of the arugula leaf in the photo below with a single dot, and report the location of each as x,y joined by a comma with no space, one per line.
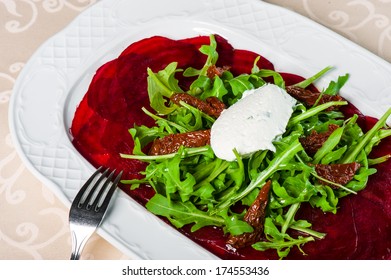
165,124
142,135
334,87
360,180
329,145
334,156
236,226
212,56
278,80
218,89
294,189
280,158
161,85
182,213
239,84
325,199
281,242
201,84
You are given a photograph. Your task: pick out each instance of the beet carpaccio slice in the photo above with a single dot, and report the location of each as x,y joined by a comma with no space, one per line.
361,229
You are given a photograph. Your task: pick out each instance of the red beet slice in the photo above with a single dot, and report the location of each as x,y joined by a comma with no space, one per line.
360,230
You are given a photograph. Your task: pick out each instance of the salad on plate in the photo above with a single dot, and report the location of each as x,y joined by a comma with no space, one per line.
247,161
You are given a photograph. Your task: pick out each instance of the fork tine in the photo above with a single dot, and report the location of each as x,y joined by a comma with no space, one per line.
102,192
89,193
104,200
83,189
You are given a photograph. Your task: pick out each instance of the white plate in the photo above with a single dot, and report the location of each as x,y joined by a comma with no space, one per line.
57,76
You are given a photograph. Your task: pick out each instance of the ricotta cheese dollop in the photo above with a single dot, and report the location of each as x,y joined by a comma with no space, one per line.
252,123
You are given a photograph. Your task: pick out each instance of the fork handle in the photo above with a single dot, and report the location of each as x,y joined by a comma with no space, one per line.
79,241
77,247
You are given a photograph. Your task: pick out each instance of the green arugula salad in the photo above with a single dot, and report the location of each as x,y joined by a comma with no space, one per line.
195,187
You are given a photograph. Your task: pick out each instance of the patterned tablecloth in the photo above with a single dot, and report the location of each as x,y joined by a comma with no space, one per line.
33,222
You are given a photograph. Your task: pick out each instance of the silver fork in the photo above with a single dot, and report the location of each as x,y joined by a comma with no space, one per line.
89,207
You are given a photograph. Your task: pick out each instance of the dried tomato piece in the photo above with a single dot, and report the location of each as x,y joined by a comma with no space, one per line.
313,142
214,70
255,217
211,106
171,143
337,173
310,98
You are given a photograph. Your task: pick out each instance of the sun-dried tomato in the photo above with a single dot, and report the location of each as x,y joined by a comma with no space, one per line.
171,143
212,106
310,98
214,70
313,142
337,173
255,217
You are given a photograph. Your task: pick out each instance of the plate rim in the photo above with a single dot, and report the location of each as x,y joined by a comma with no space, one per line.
57,189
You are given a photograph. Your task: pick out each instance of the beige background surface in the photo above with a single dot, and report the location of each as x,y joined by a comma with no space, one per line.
33,223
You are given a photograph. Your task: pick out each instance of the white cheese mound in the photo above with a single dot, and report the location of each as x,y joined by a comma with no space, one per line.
252,123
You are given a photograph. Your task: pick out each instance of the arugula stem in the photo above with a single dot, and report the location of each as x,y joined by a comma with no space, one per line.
186,152
311,232
289,216
351,157
310,80
332,183
378,160
212,55
134,181
157,118
315,110
384,134
189,107
281,244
